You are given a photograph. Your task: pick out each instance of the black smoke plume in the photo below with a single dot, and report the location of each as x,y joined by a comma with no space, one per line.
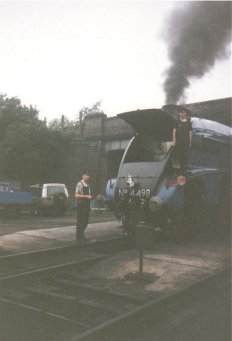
198,34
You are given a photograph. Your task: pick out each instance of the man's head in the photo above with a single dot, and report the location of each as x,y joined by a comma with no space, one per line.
85,175
183,114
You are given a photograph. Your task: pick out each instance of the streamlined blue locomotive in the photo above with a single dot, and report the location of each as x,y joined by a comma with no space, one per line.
147,189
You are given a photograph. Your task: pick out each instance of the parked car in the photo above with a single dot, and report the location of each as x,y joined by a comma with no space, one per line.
49,198
11,201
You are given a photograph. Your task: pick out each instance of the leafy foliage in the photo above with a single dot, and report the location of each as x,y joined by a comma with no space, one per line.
32,152
29,151
63,124
12,113
95,109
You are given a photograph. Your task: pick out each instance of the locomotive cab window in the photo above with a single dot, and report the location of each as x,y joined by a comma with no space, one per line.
145,149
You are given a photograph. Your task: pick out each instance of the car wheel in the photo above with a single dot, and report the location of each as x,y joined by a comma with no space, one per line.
59,200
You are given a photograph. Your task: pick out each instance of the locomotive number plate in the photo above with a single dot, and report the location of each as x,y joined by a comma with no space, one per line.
141,193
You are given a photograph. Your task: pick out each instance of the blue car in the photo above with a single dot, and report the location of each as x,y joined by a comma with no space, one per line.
147,189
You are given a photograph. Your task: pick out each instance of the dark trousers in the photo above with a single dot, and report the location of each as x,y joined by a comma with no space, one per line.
181,155
83,209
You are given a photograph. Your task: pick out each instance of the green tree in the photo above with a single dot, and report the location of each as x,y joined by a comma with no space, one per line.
29,151
95,109
32,152
12,114
63,124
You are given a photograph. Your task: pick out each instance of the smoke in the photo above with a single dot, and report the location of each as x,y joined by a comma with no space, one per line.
198,34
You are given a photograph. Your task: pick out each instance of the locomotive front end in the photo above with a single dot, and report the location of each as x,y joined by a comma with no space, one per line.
146,188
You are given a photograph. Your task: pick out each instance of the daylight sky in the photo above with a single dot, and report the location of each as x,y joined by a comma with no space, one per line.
60,56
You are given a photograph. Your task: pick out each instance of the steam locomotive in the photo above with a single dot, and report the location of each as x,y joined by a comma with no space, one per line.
147,189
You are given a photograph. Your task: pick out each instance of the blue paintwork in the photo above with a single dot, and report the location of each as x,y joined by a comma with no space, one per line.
171,194
10,199
19,198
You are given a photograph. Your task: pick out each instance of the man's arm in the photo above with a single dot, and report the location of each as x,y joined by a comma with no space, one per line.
190,138
82,196
174,137
79,191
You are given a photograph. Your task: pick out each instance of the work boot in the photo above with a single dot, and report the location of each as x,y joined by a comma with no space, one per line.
83,238
79,236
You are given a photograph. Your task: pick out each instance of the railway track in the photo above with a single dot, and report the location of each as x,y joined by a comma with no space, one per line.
43,295
28,263
54,295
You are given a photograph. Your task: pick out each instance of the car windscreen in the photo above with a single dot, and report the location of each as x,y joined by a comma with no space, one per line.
145,149
51,190
4,188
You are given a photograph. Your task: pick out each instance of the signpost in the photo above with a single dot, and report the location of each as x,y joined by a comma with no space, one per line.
145,240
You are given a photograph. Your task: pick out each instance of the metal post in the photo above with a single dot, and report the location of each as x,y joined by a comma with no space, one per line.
140,261
77,234
81,124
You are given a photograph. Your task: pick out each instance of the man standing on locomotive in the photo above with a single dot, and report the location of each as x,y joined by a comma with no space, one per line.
182,140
